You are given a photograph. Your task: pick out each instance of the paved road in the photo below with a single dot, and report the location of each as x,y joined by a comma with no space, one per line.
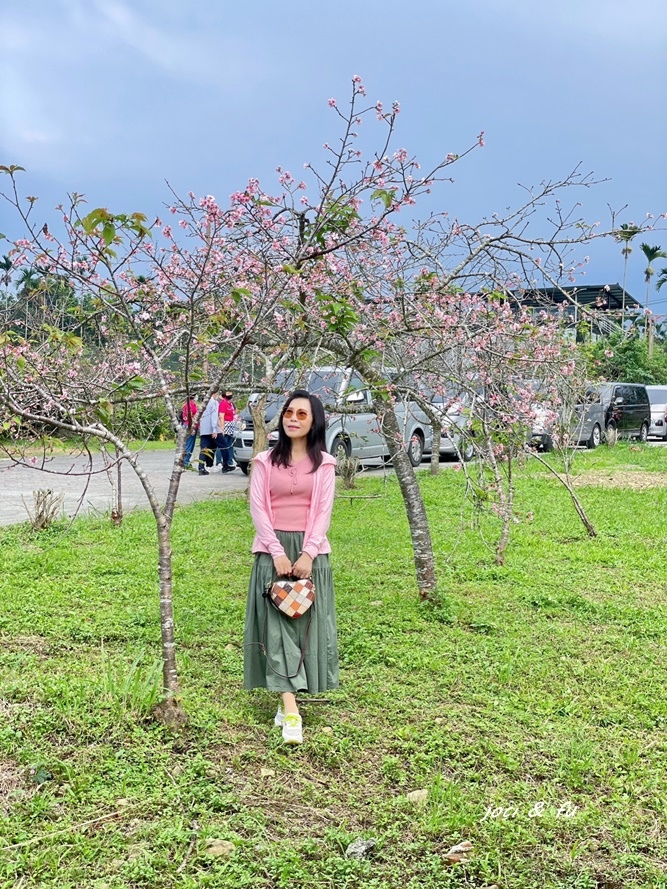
69,476
90,493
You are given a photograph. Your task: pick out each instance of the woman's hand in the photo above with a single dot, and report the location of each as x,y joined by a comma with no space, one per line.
283,566
303,567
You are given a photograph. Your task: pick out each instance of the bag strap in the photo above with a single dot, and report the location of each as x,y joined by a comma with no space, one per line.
267,597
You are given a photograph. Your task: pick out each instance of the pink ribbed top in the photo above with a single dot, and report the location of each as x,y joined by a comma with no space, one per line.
291,491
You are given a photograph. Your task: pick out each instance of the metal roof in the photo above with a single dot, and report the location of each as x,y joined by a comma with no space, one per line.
600,297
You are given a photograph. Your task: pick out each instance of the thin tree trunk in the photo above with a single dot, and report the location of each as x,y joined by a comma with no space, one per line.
506,507
567,484
435,448
651,335
169,671
412,498
169,711
505,497
625,275
119,489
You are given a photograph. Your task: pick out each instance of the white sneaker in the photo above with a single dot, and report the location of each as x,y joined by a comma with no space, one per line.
279,718
292,729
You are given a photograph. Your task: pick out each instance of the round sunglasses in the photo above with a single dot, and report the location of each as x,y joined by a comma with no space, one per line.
300,414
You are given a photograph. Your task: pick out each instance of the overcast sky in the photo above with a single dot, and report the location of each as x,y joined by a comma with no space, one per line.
112,98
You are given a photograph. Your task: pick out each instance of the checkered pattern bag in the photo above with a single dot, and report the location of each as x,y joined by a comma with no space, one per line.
293,596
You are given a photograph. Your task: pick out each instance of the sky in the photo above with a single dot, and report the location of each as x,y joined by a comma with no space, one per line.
113,99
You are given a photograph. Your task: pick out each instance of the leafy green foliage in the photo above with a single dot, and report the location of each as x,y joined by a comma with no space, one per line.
629,360
108,226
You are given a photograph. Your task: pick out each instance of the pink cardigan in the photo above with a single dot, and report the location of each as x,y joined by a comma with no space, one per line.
319,515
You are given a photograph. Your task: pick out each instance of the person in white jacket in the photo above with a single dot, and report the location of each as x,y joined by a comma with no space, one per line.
208,433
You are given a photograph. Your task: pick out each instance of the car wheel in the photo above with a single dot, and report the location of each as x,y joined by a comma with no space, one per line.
595,438
468,452
643,433
340,448
243,467
611,426
416,449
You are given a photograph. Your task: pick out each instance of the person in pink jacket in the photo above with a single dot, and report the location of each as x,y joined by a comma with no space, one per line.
291,499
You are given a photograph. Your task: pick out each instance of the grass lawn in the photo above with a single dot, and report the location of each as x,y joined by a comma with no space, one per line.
56,446
533,712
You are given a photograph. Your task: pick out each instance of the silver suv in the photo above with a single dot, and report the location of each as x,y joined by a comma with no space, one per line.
355,434
658,397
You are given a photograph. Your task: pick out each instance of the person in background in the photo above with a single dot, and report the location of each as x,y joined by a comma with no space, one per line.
208,431
226,421
188,419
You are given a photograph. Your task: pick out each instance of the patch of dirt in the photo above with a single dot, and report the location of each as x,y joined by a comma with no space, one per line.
35,644
636,480
11,780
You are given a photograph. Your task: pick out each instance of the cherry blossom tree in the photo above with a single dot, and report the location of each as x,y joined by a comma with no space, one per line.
178,303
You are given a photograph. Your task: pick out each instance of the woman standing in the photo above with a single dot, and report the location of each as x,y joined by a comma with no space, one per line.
291,498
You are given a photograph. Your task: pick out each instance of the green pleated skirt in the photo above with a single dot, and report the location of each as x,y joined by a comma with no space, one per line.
286,637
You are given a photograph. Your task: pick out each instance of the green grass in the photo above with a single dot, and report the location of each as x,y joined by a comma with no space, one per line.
56,446
532,710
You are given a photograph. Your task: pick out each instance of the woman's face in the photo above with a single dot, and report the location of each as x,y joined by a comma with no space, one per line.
298,418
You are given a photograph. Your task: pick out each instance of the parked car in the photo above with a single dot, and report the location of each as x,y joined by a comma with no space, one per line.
454,410
658,397
586,421
626,408
354,434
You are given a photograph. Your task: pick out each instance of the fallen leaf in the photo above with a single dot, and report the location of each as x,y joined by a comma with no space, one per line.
418,797
439,719
327,730
454,859
267,773
465,846
459,853
121,803
377,603
230,647
219,848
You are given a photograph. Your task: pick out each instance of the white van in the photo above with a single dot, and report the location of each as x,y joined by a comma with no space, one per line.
657,395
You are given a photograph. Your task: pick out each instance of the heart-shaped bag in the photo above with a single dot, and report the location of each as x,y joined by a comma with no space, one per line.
292,596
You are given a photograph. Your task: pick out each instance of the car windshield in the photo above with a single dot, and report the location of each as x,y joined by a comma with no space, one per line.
325,383
447,397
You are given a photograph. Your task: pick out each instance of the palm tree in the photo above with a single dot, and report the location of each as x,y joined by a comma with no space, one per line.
6,268
626,233
651,254
662,279
6,275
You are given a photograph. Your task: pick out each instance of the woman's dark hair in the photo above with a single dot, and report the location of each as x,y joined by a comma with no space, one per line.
315,441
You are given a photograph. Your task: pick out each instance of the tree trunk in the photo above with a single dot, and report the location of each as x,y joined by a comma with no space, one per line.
260,435
567,484
412,498
119,489
169,710
169,672
435,449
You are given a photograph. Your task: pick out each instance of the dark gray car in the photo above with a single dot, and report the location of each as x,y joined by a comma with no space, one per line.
627,409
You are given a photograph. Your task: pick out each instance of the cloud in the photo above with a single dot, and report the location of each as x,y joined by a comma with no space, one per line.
77,78
186,53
